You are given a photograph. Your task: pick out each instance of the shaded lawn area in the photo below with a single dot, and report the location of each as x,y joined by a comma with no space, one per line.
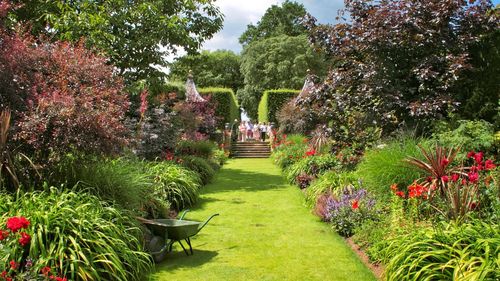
263,233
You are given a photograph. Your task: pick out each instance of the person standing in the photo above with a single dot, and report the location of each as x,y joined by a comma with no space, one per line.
263,131
249,130
243,131
256,132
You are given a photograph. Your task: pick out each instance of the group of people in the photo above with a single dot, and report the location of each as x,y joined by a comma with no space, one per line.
249,131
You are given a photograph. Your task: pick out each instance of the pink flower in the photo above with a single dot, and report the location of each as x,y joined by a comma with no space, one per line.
16,223
479,157
445,162
25,239
455,177
473,177
13,265
471,154
489,165
445,178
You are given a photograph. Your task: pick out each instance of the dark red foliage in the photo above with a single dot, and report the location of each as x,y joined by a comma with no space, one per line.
63,96
198,119
400,60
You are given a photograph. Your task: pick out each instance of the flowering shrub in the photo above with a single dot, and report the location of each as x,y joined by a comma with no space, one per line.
198,119
349,210
20,269
63,97
460,189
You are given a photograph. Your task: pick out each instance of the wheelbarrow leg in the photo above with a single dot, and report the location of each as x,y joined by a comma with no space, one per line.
189,243
185,251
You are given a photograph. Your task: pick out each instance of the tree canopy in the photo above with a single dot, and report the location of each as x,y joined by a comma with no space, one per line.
135,35
219,68
278,20
276,62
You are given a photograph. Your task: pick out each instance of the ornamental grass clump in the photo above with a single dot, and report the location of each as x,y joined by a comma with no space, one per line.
312,165
71,234
462,252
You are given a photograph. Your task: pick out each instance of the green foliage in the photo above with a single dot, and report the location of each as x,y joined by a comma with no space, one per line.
312,166
77,234
331,182
220,68
175,184
278,20
158,91
455,252
469,135
290,151
382,167
219,157
201,166
129,32
276,63
227,105
204,149
272,101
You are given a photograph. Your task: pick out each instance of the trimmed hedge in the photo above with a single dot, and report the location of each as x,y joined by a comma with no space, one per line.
272,101
227,104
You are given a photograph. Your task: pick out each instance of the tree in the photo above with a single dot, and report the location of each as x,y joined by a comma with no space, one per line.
135,35
278,20
401,61
276,62
219,68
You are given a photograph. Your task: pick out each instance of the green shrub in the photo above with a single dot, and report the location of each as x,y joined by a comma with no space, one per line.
76,234
227,104
175,184
219,157
476,135
204,149
455,252
329,182
271,103
312,166
201,166
291,150
382,167
178,87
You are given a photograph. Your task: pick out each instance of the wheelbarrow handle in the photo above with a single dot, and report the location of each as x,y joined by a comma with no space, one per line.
205,223
183,214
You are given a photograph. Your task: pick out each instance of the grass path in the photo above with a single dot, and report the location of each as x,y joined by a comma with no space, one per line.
263,233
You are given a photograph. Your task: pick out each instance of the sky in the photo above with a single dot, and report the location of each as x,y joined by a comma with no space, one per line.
239,13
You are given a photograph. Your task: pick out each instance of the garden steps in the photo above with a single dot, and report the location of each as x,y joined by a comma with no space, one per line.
250,149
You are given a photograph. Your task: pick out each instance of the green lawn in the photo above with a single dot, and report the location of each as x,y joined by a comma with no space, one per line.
263,233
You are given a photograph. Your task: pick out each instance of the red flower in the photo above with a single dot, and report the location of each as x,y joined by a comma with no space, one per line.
455,177
25,239
471,154
445,178
473,177
13,265
400,194
489,165
464,181
394,187
479,157
311,152
45,270
355,204
57,278
16,223
3,234
445,162
417,190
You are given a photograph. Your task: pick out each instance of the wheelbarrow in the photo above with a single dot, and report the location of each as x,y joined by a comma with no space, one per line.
168,231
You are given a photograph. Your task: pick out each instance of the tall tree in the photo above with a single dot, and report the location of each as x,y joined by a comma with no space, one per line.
402,61
276,62
278,20
219,68
135,35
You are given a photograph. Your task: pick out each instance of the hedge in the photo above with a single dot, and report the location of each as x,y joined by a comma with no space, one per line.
272,101
227,105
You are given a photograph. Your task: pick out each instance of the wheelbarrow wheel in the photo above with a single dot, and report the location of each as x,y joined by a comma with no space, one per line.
157,246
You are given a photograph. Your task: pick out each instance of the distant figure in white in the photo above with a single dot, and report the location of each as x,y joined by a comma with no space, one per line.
192,94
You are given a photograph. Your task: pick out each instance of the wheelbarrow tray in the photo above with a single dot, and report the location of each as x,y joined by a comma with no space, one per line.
176,229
